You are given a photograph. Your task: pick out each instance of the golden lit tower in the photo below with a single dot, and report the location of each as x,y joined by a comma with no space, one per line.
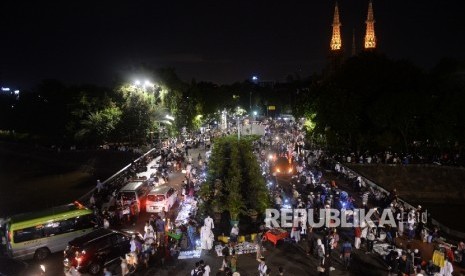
370,38
336,42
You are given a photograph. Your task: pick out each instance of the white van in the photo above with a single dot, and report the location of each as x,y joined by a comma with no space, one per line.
136,190
159,197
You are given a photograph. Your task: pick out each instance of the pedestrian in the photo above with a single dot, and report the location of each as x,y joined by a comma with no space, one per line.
225,253
191,232
106,272
295,232
346,251
233,261
448,268
198,270
92,200
160,228
162,213
404,266
370,240
106,223
357,234
148,227
206,268
310,241
259,245
320,249
233,235
262,267
334,239
124,267
327,263
99,186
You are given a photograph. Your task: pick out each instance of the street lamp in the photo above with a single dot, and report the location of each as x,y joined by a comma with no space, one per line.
137,83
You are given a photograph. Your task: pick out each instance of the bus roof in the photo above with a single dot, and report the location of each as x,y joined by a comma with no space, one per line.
59,212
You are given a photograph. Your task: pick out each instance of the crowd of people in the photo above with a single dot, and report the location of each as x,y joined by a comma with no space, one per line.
310,187
390,157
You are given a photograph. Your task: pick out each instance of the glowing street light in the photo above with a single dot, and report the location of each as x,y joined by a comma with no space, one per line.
255,113
137,82
148,83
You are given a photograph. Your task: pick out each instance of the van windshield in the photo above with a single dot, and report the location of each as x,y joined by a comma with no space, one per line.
155,198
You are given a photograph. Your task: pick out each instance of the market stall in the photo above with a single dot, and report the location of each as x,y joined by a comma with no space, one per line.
275,235
240,248
188,207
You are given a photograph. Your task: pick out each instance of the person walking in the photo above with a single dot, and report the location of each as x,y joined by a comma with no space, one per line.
448,268
225,253
262,267
160,228
320,249
233,235
310,241
206,268
233,261
358,237
370,240
198,270
346,251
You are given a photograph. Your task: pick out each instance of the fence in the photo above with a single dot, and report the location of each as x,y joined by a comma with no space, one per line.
450,232
85,197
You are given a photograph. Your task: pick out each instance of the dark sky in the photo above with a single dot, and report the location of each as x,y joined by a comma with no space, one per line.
221,41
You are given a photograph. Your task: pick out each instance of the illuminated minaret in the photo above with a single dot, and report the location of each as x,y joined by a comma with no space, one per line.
336,42
370,38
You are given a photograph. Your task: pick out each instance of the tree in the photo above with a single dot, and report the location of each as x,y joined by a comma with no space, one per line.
100,125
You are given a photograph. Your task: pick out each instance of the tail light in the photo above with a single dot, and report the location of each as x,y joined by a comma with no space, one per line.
80,256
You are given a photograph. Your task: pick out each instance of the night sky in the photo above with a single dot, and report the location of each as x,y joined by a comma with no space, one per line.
219,41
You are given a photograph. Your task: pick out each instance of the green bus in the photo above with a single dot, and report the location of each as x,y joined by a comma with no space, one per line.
37,234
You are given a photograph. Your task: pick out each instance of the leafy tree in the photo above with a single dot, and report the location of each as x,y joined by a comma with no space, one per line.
100,125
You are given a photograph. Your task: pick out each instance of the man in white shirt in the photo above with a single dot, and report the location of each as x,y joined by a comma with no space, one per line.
447,269
209,222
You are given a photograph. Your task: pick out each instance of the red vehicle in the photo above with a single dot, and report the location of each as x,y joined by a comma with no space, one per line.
283,166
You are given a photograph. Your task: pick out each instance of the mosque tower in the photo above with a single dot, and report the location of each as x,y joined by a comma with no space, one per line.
370,37
336,42
336,53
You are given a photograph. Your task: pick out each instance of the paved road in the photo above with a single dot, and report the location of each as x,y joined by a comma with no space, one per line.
292,257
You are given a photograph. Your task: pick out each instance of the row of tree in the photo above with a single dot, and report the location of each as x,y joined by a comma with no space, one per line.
234,183
55,113
60,114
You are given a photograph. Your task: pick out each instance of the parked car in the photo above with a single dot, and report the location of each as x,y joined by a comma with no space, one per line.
93,251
